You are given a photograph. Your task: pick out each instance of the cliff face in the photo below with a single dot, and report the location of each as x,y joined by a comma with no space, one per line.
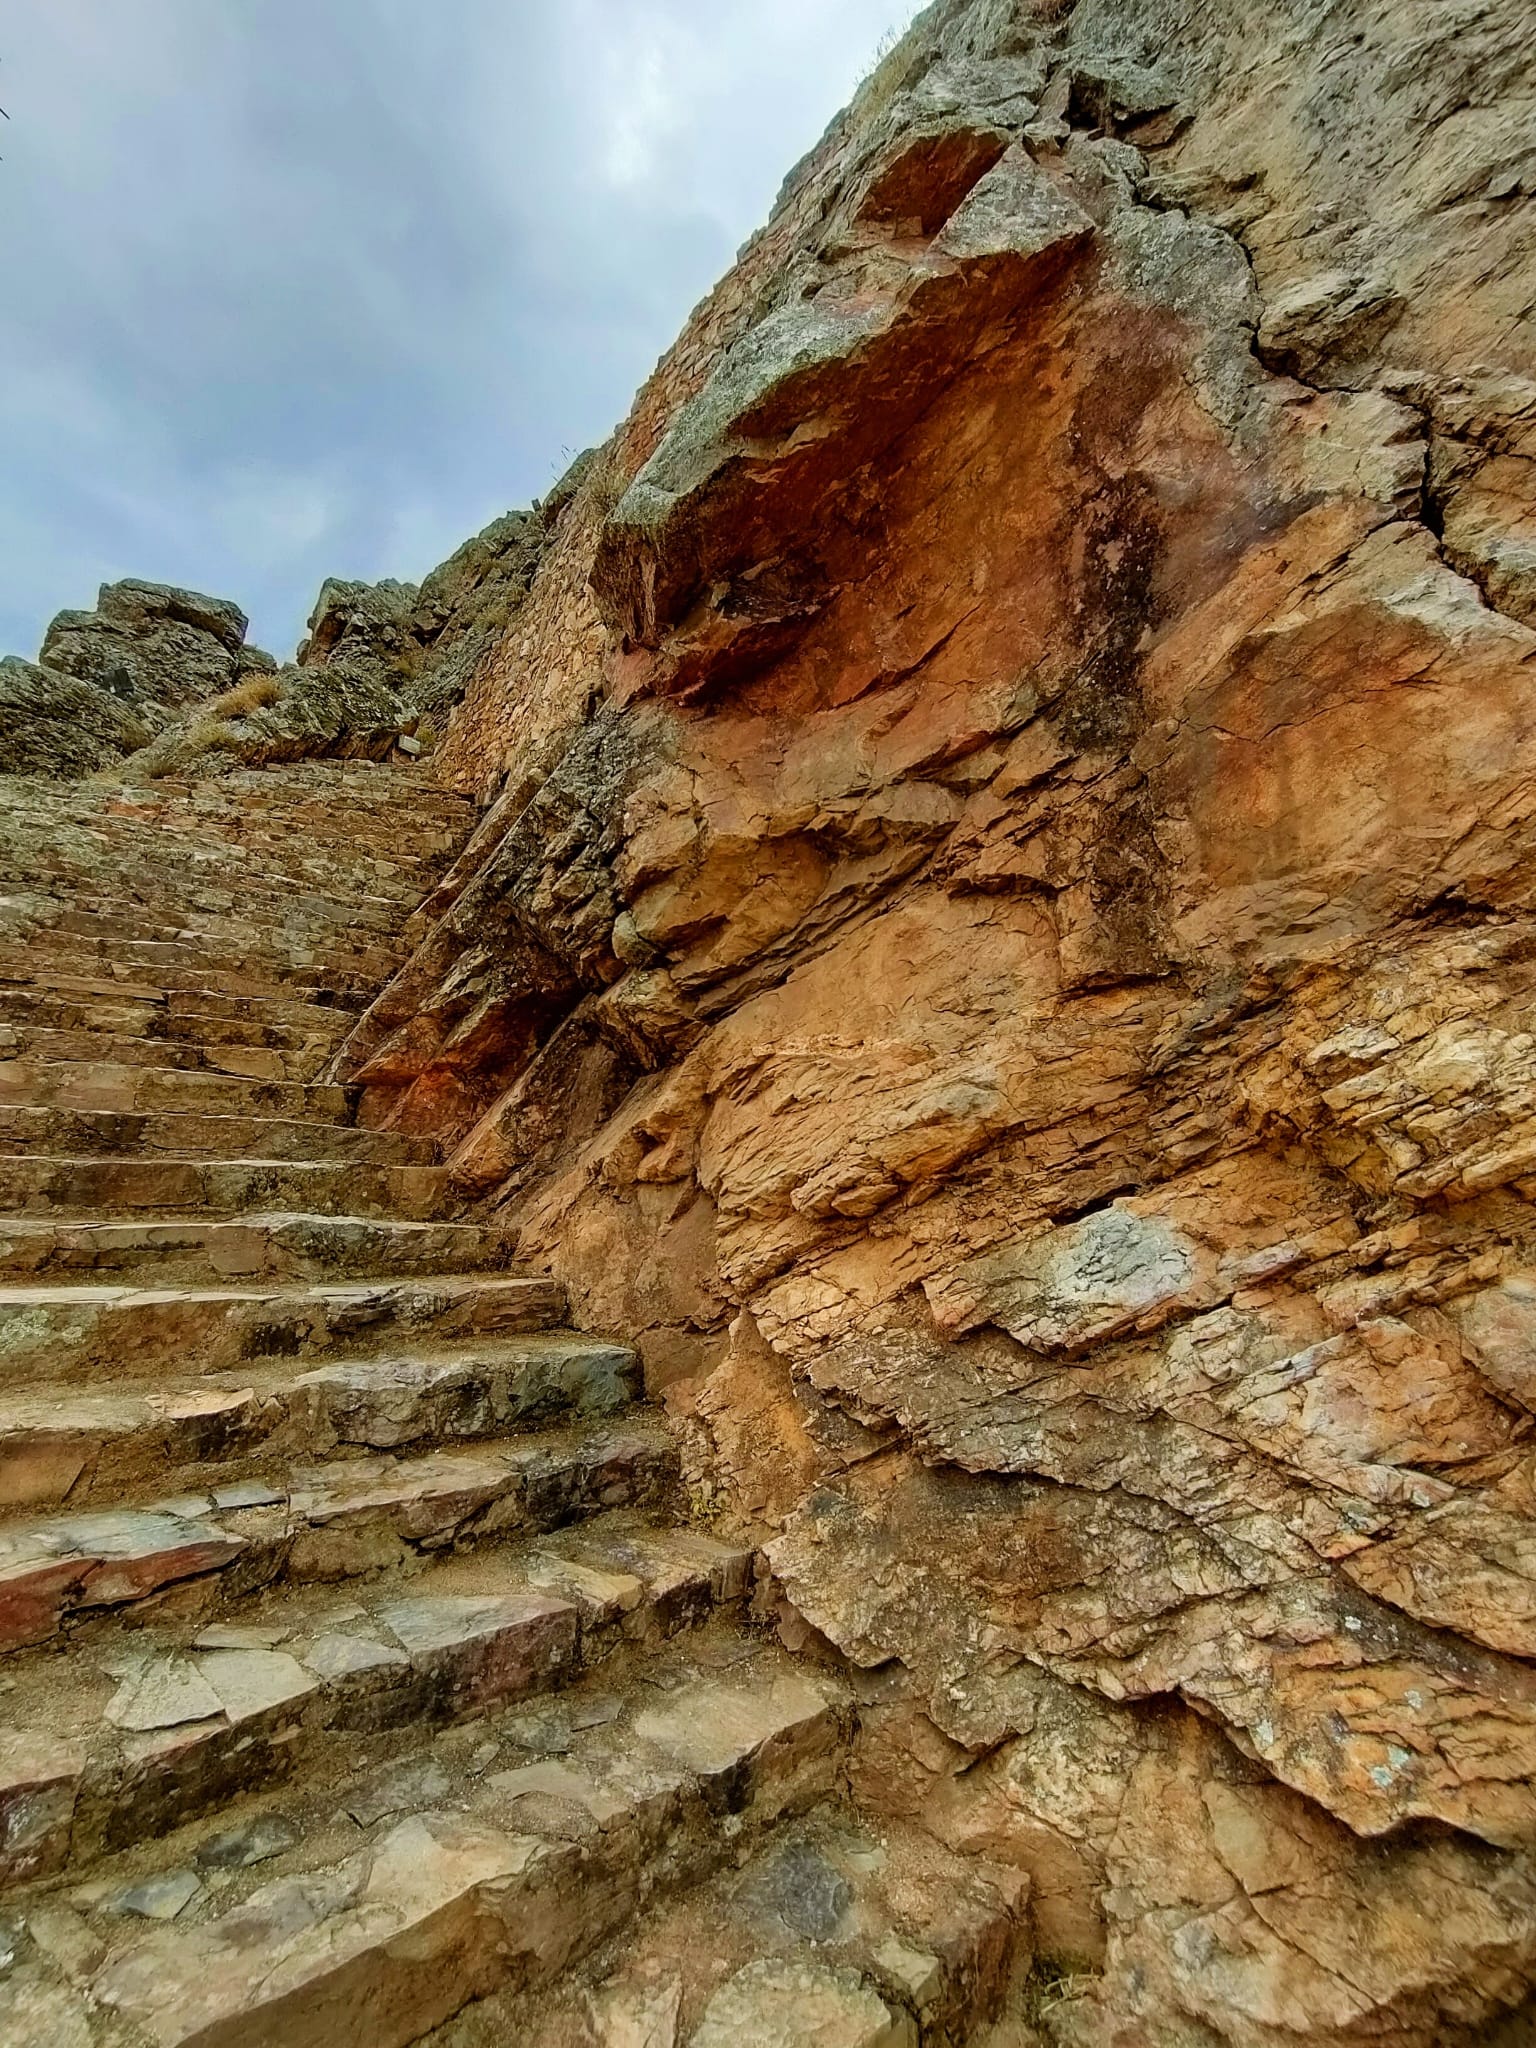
159,682
1003,954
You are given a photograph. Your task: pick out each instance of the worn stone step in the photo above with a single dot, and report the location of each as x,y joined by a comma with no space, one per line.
367,1934
31,1010
225,873
208,992
213,917
59,1445
340,1520
46,1045
836,1931
28,943
307,837
176,1721
209,1250
47,1185
185,1134
86,1333
117,1087
41,961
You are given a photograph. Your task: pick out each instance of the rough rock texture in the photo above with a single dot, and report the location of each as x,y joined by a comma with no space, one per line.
53,724
427,638
382,664
1002,956
107,680
164,676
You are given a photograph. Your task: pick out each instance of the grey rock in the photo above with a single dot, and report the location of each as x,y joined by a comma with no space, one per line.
55,724
255,1841
138,605
800,1890
354,622
167,1695
337,1655
402,1788
543,1731
108,680
159,1898
255,1682
1318,326
229,1636
150,645
248,1493
772,2003
1083,1283
381,665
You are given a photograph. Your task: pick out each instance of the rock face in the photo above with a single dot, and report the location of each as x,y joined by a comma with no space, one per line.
107,680
427,638
382,664
164,676
1001,955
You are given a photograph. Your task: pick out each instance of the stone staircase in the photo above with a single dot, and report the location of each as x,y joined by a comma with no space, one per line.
360,1675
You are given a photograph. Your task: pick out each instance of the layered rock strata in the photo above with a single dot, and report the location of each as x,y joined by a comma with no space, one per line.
1000,956
360,1658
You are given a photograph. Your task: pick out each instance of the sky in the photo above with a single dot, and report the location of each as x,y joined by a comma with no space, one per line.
308,288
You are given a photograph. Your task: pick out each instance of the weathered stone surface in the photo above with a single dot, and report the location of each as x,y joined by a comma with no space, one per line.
106,681
150,644
1001,962
57,724
440,1907
164,675
768,2003
1001,958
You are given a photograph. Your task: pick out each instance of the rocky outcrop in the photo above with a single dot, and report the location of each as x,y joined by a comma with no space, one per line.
427,638
107,680
53,724
1000,952
164,676
382,664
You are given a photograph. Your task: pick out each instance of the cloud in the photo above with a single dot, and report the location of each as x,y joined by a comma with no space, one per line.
297,291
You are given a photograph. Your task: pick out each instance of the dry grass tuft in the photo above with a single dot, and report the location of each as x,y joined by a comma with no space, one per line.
890,66
250,695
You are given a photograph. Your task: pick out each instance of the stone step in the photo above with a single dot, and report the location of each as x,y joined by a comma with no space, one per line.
89,1333
186,1434
207,992
45,959
58,938
175,1722
123,1086
306,837
184,1134
201,1251
345,1519
45,1185
151,874
836,1931
192,913
314,1026
80,1046
322,949
460,1875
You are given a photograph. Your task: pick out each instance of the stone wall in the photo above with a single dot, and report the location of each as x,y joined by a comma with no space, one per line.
1002,957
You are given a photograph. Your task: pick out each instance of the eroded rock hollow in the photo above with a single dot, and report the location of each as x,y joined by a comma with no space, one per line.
1003,950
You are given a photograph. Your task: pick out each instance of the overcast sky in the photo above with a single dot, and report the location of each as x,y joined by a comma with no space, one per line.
296,288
